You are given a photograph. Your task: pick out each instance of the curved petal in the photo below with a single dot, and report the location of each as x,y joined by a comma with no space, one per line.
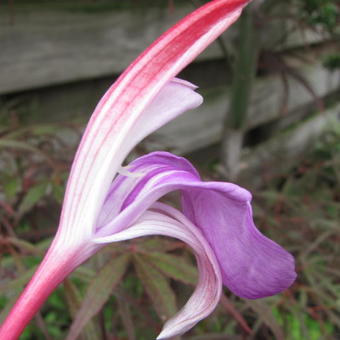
166,221
252,265
102,150
126,187
176,97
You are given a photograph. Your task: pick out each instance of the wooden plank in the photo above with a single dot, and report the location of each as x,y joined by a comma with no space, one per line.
53,47
275,157
203,126
44,47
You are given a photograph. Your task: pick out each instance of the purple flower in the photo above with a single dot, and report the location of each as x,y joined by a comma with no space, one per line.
216,221
106,203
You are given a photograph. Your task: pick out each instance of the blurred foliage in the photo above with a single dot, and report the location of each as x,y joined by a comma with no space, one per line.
116,293
332,62
91,6
34,162
324,13
306,206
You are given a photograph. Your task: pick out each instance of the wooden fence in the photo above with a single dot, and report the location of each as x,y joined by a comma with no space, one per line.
66,57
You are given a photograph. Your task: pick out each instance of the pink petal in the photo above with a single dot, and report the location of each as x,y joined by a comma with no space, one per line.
174,98
166,221
252,265
102,148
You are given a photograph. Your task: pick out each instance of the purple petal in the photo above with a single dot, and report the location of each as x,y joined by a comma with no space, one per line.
146,172
166,221
176,97
93,170
252,265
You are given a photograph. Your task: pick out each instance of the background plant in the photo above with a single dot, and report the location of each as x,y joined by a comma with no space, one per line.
116,296
125,290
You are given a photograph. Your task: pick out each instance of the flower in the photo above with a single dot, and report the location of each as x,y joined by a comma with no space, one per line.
216,221
100,206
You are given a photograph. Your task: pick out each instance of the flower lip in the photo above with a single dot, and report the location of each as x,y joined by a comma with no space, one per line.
252,265
162,219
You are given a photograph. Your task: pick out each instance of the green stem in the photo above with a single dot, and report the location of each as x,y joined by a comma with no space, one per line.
244,73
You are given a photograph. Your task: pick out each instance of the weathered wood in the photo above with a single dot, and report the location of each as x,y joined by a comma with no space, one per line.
42,46
195,129
275,157
203,126
52,47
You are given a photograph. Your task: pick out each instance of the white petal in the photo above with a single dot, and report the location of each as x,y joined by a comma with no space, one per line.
167,221
105,144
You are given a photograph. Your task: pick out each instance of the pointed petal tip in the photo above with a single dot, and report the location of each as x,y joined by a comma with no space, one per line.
165,334
185,83
171,329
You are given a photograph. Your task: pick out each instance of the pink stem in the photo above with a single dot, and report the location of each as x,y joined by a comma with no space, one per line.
51,272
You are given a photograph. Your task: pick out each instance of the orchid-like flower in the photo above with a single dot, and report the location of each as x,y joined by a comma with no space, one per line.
105,204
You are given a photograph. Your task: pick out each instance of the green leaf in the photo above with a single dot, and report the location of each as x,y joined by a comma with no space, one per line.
175,267
10,302
11,186
45,129
58,192
35,130
84,274
125,314
19,145
98,293
15,144
24,245
265,315
32,197
73,299
156,286
17,284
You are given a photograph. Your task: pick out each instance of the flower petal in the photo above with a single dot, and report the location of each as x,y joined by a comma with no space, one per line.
125,188
167,221
175,98
102,148
252,265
